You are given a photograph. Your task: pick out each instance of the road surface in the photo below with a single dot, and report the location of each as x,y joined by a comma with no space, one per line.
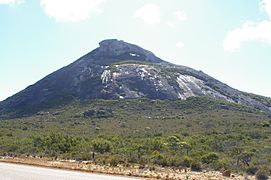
24,172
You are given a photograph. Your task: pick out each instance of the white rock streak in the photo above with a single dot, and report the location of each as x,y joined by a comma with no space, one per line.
105,76
183,81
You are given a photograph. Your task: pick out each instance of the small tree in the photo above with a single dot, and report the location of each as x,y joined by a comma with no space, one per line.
173,143
209,158
187,147
235,152
245,158
101,145
196,166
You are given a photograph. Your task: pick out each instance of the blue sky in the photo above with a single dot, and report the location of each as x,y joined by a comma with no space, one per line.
228,39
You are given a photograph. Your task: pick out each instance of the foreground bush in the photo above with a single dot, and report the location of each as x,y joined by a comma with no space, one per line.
252,170
261,175
196,166
209,158
101,145
186,162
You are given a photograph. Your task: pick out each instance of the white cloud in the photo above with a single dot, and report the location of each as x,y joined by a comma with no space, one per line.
176,16
181,16
149,13
266,6
248,32
11,2
71,10
179,44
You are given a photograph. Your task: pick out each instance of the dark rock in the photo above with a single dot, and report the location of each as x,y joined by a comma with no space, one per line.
93,123
124,51
56,113
266,124
104,113
225,107
89,113
101,113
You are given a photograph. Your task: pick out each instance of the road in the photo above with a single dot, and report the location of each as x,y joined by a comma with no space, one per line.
24,172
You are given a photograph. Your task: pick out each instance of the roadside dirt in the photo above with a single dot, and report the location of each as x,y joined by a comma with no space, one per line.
132,170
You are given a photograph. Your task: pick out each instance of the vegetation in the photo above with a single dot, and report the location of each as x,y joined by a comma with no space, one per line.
200,133
262,175
265,100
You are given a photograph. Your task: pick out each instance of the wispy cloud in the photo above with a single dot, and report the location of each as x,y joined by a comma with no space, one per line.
149,13
71,10
250,31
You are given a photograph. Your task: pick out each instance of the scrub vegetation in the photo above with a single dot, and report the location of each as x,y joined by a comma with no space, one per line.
198,133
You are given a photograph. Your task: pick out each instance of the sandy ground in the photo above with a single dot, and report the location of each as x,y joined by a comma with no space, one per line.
131,171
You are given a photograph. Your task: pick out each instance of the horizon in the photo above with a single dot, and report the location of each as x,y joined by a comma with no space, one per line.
178,32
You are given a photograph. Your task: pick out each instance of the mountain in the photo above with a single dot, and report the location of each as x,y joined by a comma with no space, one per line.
120,70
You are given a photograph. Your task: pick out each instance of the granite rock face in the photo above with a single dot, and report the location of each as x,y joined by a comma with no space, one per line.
121,50
119,70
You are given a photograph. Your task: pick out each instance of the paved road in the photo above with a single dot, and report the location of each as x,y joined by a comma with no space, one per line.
24,172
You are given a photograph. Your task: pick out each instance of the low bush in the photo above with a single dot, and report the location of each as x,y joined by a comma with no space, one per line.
209,158
252,170
196,166
186,162
115,160
261,175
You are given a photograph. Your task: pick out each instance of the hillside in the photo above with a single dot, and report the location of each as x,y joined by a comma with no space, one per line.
120,70
198,132
122,105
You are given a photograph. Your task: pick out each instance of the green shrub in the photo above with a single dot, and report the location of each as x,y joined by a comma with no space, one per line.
235,136
115,160
186,162
55,144
196,166
174,161
82,156
209,158
158,158
101,145
261,175
173,142
220,164
155,144
252,170
24,128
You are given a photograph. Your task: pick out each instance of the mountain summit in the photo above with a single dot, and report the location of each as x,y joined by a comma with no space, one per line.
120,50
120,70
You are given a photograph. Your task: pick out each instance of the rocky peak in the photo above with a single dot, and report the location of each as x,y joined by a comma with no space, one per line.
113,48
101,74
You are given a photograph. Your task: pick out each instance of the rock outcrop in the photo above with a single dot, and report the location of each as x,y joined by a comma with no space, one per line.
119,70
